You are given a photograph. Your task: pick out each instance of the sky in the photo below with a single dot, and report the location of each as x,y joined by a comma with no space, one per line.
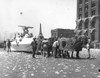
51,14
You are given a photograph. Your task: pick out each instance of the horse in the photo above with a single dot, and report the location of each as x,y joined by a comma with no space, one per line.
80,42
72,45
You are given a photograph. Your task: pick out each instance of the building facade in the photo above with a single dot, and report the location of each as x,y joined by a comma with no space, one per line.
88,19
62,33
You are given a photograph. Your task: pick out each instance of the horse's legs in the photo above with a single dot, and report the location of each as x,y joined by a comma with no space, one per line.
55,52
42,52
68,54
77,54
63,54
72,54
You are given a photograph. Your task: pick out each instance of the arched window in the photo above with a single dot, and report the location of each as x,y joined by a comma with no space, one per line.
86,33
93,23
86,24
80,25
93,35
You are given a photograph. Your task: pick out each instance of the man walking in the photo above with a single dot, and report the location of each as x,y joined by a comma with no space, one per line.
9,45
88,47
34,47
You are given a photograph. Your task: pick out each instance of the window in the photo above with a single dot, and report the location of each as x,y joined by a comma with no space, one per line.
80,10
86,0
86,24
80,25
86,8
80,1
86,33
93,23
80,16
93,36
86,14
93,4
93,12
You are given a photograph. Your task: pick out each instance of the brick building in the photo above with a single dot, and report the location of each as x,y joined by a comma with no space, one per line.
68,33
88,19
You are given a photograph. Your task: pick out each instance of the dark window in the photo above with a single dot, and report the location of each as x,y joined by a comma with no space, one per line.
93,12
86,24
93,24
86,33
86,8
80,10
93,36
80,25
86,14
93,4
80,16
86,0
80,1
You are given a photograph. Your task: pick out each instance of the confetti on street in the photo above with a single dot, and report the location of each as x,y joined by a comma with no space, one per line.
22,65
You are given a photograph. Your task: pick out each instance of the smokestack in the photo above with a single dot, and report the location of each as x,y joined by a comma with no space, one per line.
40,29
40,32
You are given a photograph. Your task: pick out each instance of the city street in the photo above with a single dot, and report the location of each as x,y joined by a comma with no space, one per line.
22,65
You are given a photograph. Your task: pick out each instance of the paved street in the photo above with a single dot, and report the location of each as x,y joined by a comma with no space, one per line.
22,65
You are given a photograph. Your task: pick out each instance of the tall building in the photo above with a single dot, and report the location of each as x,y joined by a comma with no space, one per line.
62,33
88,19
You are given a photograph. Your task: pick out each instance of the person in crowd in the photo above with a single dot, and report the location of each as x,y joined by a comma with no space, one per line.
4,44
55,47
49,48
34,47
45,47
9,45
88,46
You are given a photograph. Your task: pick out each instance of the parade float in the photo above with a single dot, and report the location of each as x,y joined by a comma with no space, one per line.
22,41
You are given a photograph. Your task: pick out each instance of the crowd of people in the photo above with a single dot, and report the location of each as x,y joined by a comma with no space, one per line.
7,45
50,47
57,47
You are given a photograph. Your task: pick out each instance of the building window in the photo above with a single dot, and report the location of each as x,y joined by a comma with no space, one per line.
86,14
86,33
86,8
93,12
93,36
80,10
80,25
93,4
80,1
80,33
93,23
86,0
80,16
86,24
